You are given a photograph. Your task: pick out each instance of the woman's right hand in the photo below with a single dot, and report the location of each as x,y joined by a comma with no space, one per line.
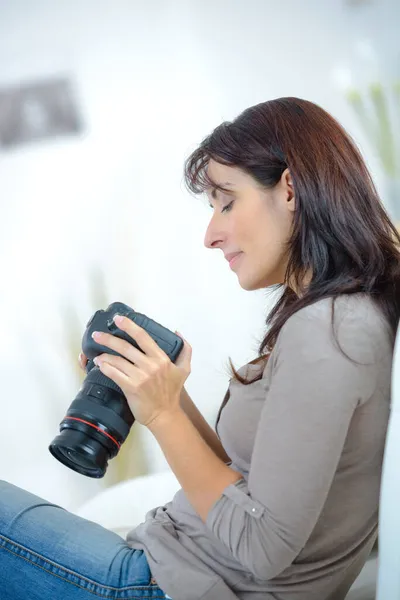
82,359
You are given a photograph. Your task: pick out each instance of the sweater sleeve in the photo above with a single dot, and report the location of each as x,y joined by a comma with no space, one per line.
313,393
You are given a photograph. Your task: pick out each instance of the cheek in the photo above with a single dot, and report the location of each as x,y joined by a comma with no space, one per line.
263,233
269,243
274,227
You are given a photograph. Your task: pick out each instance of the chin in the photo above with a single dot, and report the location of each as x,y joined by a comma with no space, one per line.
251,284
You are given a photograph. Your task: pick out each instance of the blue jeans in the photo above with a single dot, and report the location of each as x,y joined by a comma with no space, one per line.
48,553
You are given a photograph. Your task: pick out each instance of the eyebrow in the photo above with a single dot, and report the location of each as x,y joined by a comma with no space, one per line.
220,185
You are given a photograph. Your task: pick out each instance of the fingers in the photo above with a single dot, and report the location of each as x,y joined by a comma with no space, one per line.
149,347
82,359
119,363
123,347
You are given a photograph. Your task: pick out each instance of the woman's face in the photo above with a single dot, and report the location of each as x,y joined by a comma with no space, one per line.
253,221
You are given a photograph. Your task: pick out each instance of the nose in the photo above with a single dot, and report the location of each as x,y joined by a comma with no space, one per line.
215,236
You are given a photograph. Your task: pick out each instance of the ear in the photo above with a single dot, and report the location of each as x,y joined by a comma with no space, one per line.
287,185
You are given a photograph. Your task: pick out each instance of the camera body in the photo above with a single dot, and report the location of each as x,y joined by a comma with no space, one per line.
102,320
99,419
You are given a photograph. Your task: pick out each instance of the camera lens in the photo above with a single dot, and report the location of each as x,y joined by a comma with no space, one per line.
81,453
76,457
96,424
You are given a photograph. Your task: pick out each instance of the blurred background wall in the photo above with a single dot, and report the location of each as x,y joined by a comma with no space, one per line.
101,214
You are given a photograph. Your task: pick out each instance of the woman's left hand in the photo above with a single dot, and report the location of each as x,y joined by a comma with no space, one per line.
153,384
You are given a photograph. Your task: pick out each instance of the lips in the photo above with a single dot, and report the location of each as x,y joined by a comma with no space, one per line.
229,257
234,258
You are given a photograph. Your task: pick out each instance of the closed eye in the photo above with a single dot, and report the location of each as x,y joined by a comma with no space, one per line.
226,208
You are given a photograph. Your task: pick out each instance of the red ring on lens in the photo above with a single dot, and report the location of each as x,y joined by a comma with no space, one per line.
97,428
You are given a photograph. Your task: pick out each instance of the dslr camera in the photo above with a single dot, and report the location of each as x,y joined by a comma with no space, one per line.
99,419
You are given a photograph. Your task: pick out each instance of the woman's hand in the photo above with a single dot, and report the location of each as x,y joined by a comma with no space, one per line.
150,381
82,359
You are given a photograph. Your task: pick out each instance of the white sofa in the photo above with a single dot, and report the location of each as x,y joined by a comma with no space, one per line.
123,506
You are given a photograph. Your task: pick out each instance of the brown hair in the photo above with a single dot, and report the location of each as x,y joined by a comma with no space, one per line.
341,232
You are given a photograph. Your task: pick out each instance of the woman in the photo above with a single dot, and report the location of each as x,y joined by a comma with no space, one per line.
283,502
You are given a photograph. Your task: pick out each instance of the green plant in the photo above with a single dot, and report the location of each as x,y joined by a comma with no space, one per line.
373,109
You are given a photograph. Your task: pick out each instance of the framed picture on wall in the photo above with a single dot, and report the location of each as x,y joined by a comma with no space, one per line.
38,111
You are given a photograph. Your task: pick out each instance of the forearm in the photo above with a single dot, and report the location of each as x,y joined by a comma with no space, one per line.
204,429
201,473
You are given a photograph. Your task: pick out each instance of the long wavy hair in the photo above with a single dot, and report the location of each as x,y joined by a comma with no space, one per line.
341,232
